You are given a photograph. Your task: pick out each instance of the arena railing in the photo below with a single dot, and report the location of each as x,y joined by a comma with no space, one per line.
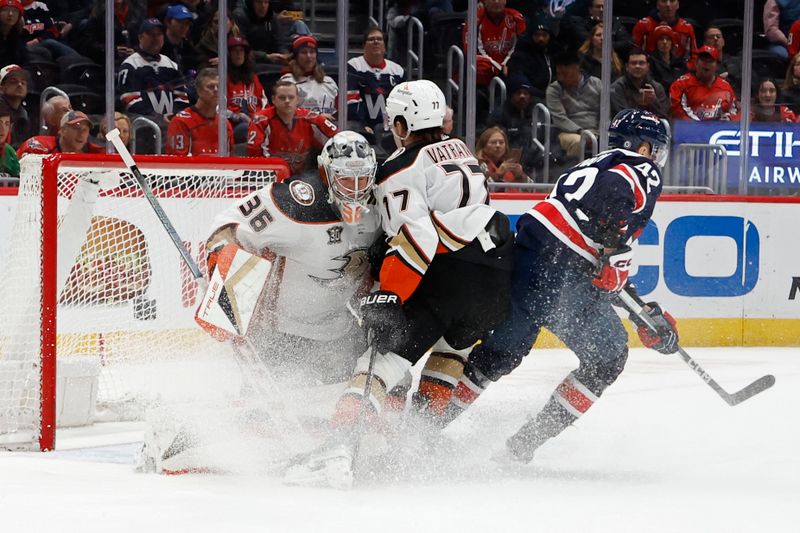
453,86
699,165
146,123
48,93
415,58
497,85
546,122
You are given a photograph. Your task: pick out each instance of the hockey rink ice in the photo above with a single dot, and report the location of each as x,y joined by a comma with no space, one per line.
660,452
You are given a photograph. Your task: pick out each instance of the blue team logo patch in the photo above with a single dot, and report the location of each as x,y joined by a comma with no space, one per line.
302,192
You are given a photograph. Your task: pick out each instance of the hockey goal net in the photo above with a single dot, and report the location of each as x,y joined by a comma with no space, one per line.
91,281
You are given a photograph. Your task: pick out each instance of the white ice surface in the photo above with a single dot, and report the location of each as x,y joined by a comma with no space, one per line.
660,452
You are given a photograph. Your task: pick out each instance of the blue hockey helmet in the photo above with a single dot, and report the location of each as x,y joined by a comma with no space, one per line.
631,127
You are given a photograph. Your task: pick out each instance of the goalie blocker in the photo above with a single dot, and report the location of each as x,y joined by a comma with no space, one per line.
234,291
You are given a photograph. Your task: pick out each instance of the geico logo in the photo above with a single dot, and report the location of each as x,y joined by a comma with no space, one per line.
379,299
678,260
780,144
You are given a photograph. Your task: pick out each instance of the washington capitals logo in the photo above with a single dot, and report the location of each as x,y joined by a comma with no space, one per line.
335,235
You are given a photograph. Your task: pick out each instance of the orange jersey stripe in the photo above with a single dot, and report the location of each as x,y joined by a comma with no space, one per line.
398,277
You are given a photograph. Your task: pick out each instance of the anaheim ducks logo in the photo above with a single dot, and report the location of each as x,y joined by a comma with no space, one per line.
353,265
302,192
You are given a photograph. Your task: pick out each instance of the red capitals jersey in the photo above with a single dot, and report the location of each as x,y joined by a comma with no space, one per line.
269,136
691,99
794,39
48,144
686,42
190,133
247,98
497,40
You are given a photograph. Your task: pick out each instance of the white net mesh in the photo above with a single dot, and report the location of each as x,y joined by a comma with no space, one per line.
127,297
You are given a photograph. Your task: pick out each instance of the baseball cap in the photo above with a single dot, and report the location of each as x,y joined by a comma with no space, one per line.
518,81
12,3
179,12
149,24
238,41
12,69
661,31
709,51
75,117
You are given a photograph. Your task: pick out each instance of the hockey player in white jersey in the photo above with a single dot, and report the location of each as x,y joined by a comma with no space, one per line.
444,281
315,231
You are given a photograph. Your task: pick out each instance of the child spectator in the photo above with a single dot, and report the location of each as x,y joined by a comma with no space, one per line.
246,95
318,92
666,67
9,163
283,130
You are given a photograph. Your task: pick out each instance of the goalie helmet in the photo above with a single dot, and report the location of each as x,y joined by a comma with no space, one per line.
421,103
631,127
347,165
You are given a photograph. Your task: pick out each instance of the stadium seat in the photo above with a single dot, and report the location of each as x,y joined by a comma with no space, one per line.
87,74
768,65
82,99
627,22
43,74
443,32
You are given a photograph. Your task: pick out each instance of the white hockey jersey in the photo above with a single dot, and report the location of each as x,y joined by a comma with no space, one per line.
317,97
434,199
319,262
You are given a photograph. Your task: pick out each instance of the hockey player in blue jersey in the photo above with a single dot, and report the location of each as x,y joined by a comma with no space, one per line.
571,256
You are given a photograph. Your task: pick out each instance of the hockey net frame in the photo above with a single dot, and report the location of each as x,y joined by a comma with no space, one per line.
47,188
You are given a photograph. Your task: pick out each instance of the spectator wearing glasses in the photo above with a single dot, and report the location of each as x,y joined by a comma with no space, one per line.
637,89
370,79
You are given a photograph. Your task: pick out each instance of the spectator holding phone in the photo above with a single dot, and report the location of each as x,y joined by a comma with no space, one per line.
637,89
498,163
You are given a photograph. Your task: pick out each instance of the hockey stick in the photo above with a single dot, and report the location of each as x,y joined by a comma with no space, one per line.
634,304
127,158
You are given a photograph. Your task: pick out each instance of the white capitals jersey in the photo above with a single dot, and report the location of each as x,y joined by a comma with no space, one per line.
319,262
434,199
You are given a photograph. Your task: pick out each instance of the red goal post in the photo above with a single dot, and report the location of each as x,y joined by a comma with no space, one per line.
92,280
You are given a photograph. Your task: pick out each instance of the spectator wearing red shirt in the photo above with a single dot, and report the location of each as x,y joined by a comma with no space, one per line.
666,12
498,30
702,95
283,130
193,131
246,95
72,138
794,39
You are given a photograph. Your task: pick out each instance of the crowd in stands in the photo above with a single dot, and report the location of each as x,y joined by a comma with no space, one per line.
679,61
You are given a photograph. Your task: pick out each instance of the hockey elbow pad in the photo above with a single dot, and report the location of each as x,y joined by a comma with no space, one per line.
664,338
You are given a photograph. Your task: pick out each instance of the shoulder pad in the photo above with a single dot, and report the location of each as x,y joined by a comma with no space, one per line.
304,200
402,158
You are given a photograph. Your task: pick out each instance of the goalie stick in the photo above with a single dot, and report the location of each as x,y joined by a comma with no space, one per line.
635,305
245,354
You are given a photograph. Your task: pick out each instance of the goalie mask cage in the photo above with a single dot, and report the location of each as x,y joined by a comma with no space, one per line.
89,271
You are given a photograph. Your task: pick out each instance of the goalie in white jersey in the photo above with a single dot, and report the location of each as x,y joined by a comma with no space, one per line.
316,231
444,281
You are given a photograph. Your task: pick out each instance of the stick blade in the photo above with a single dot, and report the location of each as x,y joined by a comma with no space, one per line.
756,387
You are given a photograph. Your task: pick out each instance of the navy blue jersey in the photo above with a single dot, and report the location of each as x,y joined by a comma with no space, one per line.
604,202
367,89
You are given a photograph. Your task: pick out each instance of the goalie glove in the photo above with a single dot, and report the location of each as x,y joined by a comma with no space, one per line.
383,315
665,337
612,273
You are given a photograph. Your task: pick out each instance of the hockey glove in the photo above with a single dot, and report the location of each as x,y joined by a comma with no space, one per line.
383,315
612,273
665,337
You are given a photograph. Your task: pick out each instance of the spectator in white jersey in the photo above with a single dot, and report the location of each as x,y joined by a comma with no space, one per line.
370,79
150,83
317,91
